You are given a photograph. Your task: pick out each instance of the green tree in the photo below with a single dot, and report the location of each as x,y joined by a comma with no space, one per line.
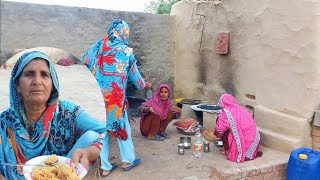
160,6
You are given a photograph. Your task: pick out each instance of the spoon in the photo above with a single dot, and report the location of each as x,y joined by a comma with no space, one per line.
41,164
9,164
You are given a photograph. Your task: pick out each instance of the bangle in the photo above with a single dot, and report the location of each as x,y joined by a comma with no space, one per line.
97,144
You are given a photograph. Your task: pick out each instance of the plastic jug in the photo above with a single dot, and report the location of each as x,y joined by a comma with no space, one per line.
304,163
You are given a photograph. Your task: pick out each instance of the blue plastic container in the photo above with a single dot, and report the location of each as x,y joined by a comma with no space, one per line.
308,169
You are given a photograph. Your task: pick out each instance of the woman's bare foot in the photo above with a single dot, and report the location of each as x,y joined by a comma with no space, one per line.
222,151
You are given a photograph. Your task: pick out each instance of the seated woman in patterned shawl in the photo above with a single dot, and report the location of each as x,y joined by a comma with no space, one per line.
38,123
157,113
238,130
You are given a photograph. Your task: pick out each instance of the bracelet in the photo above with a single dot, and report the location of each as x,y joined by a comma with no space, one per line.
97,144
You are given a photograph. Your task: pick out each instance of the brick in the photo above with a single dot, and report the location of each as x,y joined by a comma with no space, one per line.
223,39
281,166
266,168
281,178
271,176
316,120
260,177
316,131
283,173
230,174
250,171
316,139
316,145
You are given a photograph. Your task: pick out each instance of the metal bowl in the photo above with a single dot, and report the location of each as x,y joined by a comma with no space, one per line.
219,143
193,132
186,141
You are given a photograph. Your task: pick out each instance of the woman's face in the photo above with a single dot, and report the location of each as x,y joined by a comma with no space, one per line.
164,93
35,84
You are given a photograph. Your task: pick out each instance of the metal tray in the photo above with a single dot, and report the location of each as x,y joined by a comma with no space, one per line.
186,133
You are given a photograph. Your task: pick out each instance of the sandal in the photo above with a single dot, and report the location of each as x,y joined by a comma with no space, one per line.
165,135
156,138
136,162
114,166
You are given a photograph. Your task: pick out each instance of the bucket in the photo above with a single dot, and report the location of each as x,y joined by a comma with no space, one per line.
148,94
304,163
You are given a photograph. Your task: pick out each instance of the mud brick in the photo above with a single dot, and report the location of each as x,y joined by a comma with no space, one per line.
223,39
281,178
316,131
230,174
316,139
260,177
250,171
280,166
316,145
316,120
266,168
271,176
283,173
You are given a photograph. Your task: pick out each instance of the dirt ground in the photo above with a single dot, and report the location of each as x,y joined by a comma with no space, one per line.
160,160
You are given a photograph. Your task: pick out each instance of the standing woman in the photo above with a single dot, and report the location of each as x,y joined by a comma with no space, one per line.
157,113
238,130
113,63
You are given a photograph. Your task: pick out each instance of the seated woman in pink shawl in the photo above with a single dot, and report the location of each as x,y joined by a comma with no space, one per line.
157,113
238,130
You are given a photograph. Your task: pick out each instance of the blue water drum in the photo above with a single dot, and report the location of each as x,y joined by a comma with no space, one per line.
303,164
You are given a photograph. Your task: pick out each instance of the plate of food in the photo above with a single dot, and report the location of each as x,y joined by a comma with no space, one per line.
60,170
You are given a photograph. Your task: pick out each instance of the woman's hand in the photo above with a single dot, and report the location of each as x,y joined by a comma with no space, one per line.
80,156
84,156
152,110
148,86
175,109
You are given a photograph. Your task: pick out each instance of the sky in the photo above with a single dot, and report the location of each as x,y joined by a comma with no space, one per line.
119,5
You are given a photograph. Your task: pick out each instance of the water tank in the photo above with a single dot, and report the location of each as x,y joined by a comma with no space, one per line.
304,163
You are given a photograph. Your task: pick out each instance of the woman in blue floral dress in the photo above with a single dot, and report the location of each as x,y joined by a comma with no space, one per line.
113,63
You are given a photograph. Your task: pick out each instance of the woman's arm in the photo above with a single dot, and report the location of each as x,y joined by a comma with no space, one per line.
85,122
145,109
177,111
134,74
222,124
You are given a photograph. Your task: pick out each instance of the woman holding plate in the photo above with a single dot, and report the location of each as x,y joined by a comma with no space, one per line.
38,123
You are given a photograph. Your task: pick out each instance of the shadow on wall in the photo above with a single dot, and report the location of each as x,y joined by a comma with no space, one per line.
54,54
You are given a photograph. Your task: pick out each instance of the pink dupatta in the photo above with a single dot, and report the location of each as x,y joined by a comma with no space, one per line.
244,138
159,106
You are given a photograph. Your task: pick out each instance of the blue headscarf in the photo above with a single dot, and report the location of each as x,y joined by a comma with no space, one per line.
119,32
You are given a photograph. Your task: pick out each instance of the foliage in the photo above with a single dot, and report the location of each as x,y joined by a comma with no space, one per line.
160,6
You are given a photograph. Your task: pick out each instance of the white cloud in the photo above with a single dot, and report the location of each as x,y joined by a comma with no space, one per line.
119,5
